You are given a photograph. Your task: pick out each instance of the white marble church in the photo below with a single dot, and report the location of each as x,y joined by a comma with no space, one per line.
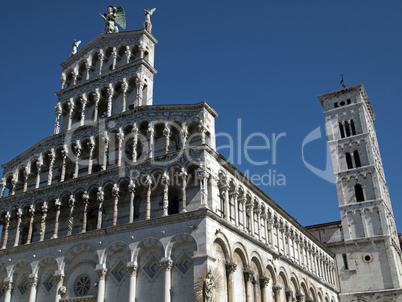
129,201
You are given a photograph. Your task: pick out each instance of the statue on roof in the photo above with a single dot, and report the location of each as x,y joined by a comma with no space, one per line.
147,24
114,15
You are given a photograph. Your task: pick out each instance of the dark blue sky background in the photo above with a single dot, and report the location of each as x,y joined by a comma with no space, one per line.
264,62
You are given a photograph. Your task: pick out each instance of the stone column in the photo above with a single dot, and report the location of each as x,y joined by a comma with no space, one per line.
85,200
124,88
102,271
230,269
202,130
57,204
26,175
203,176
183,176
18,228
60,289
109,100
120,138
258,212
183,135
62,81
289,295
58,112
105,151
257,290
166,134
77,158
132,270
100,198
115,193
7,218
135,142
70,107
51,163
277,288
248,278
245,222
84,105
91,145
148,183
127,53
251,208
226,207
63,164
101,57
167,265
13,185
151,141
33,279
31,213
264,218
141,50
8,286
96,99
71,204
264,281
114,56
131,189
87,69
235,195
140,86
299,297
43,222
39,165
165,181
3,188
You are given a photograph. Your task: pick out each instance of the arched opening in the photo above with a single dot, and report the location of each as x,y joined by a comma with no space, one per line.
347,129
341,130
359,193
356,157
349,160
352,127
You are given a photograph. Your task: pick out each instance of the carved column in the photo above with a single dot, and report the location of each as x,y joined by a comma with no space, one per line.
132,270
39,166
63,164
91,146
251,210
230,269
6,226
70,107
135,142
167,265
203,176
127,53
141,49
60,290
299,297
151,140
77,158
100,198
166,134
258,212
3,188
148,183
257,289
165,181
183,175
226,206
184,136
248,278
26,175
87,69
13,185
62,81
58,112
109,100
43,222
105,151
235,195
114,56
51,163
277,289
57,205
8,286
18,228
131,189
101,57
84,105
202,130
120,138
245,222
102,271
140,87
85,200
33,279
124,88
31,213
71,204
264,281
96,99
115,193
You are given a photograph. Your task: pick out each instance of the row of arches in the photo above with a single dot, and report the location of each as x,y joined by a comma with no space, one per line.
136,271
255,217
247,277
347,128
126,145
143,197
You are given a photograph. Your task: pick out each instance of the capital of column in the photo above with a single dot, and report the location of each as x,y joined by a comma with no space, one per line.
71,201
7,217
132,268
131,186
33,278
166,130
231,266
31,210
166,264
8,285
102,271
248,275
115,191
276,288
85,196
100,195
19,213
57,203
264,281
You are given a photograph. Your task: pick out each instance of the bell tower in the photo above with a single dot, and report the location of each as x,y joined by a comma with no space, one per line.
370,249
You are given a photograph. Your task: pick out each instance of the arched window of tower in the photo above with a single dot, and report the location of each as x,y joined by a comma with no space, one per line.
359,193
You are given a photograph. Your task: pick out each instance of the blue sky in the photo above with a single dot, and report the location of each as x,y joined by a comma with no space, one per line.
264,62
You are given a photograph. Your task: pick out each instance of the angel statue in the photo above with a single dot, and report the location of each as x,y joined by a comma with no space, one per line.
147,24
209,288
114,14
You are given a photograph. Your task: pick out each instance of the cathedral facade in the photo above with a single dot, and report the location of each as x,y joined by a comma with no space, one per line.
129,201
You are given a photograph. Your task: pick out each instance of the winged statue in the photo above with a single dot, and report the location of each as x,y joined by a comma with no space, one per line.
114,15
147,24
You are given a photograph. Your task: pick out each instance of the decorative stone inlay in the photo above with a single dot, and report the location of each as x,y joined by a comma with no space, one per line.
23,286
184,263
48,283
119,271
152,268
82,285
